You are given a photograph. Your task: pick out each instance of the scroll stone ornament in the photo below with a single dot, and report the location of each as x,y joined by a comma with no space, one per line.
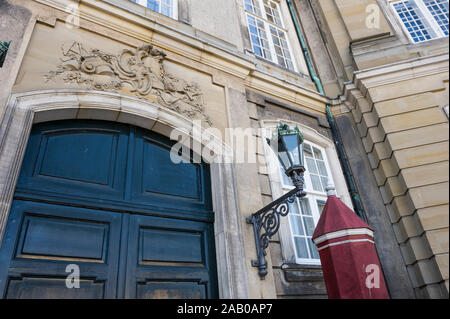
141,71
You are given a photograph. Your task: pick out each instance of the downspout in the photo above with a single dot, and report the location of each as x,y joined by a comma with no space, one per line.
340,150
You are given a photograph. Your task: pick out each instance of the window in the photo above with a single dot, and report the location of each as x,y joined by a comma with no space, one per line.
167,7
423,19
305,212
267,32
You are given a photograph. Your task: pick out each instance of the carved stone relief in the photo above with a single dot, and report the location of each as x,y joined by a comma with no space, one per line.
141,71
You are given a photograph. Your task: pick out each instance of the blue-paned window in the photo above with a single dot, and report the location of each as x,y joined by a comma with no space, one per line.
423,19
439,11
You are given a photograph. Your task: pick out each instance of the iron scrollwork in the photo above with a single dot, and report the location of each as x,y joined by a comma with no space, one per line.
268,219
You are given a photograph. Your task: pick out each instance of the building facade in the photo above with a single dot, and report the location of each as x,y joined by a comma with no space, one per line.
94,95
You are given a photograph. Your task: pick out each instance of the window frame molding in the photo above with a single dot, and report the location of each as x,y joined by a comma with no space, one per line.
267,24
278,188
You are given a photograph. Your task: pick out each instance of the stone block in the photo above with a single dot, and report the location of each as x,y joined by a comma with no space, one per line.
425,174
430,271
415,249
442,263
415,275
408,87
406,104
434,217
418,136
411,120
438,240
422,155
389,167
403,205
356,17
430,195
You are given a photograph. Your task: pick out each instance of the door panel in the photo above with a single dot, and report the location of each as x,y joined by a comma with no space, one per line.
42,240
107,198
158,181
73,161
171,290
168,257
50,288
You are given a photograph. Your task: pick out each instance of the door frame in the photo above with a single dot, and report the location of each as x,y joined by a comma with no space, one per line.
28,108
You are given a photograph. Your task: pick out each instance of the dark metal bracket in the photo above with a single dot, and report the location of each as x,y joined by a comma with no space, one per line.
268,219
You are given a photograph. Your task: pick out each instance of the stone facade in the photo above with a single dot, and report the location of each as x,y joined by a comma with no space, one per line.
393,97
118,61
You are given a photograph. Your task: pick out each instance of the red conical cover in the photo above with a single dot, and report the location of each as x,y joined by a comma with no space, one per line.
337,216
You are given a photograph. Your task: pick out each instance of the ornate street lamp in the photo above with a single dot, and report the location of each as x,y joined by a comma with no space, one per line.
288,145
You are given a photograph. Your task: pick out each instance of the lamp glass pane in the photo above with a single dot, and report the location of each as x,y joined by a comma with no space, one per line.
292,145
283,156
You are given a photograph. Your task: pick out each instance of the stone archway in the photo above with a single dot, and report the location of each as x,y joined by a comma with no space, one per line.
25,109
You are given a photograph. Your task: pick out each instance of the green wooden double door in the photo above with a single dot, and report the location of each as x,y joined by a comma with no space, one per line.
104,203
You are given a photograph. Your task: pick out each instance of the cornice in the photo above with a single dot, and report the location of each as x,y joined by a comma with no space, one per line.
402,71
181,40
363,80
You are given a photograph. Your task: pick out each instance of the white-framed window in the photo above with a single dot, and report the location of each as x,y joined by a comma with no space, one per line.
166,7
304,213
423,20
268,34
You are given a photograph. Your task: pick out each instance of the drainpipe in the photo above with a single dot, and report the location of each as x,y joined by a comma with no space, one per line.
337,141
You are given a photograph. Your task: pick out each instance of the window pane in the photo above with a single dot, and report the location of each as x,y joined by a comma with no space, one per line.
258,37
293,208
439,11
301,248
324,182
272,13
313,249
281,48
153,5
317,154
311,165
414,21
286,179
253,6
296,224
321,206
315,180
309,225
167,11
305,208
322,168
307,149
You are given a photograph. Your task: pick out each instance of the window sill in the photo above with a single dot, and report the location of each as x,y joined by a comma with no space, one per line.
295,266
302,273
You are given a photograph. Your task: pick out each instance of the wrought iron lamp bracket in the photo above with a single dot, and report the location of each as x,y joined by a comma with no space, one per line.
266,221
